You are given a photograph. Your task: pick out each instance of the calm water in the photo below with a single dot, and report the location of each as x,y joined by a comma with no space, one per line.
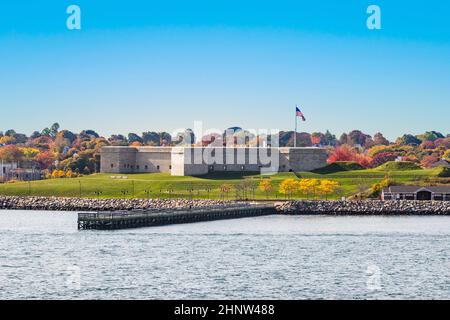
42,255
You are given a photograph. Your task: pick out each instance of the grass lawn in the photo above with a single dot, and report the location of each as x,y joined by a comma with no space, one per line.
166,186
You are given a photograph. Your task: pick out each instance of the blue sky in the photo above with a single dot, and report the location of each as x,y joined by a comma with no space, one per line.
160,65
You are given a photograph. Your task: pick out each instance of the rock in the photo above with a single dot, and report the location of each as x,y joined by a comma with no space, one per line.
365,207
86,204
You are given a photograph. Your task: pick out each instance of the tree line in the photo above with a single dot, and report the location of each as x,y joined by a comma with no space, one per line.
72,154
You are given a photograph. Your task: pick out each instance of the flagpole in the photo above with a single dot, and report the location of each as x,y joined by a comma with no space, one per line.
295,131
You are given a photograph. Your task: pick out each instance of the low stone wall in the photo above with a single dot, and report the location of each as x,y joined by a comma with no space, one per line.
365,207
85,204
368,207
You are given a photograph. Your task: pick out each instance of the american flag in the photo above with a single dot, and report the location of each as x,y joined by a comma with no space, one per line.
298,113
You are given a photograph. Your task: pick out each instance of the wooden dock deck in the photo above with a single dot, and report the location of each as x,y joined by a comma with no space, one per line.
148,218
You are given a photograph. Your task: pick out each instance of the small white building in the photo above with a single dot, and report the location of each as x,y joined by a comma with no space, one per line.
5,169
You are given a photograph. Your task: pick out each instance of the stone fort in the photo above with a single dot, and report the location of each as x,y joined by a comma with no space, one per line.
195,161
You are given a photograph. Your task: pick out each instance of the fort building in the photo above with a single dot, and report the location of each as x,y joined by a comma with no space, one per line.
195,161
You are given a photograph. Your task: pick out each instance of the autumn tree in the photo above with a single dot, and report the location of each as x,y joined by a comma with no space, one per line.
379,139
45,159
447,155
29,155
429,160
225,189
266,186
133,137
303,186
327,187
288,187
408,139
381,158
6,140
165,139
342,153
11,154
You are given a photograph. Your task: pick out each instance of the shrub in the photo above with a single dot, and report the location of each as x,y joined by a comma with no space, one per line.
378,187
443,172
71,174
447,155
58,174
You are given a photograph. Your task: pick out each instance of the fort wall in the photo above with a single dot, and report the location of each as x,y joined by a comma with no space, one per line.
193,161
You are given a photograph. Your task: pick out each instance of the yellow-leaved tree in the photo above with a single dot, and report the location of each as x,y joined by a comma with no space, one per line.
288,187
265,186
327,187
312,186
303,186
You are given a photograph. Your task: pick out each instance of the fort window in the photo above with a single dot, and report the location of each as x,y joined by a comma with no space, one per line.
157,167
146,167
137,167
112,165
170,167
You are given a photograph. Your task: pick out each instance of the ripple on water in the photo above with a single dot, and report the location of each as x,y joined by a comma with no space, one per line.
45,257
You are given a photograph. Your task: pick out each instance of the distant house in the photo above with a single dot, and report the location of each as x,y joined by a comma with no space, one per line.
24,174
10,171
437,193
441,163
5,170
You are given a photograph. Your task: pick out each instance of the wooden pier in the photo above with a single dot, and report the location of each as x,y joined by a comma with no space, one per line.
148,218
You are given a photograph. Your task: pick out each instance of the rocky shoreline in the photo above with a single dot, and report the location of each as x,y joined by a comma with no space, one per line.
364,207
87,204
306,207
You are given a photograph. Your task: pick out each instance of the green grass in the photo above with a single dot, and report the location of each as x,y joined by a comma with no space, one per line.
167,186
339,166
398,166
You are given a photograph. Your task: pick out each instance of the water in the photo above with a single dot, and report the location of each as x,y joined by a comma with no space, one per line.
43,256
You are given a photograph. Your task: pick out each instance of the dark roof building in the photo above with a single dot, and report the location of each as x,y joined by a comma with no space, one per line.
437,193
441,163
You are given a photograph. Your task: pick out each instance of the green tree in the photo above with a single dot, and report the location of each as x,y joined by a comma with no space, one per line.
54,129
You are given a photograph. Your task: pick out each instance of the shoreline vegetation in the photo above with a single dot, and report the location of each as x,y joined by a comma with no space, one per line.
303,207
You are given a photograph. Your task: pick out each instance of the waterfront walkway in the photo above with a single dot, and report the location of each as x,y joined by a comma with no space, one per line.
147,218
